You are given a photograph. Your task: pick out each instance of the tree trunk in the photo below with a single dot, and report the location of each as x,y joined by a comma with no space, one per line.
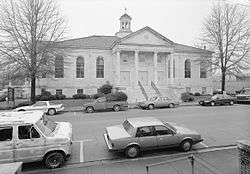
223,80
33,89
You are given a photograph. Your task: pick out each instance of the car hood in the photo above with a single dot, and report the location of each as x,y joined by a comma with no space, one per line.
56,106
63,130
117,132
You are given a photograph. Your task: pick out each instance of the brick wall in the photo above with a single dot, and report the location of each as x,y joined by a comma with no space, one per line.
244,156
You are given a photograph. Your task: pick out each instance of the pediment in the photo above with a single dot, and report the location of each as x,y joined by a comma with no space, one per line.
146,36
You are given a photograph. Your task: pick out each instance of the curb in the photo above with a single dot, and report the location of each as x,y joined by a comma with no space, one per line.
117,161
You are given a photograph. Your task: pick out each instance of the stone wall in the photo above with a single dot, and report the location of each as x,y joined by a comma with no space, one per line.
244,156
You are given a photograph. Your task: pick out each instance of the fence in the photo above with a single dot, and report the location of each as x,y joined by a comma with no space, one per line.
183,165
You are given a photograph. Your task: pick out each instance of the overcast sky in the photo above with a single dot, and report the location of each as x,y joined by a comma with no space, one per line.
179,20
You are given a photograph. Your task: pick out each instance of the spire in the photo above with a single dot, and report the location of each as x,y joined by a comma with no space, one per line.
125,24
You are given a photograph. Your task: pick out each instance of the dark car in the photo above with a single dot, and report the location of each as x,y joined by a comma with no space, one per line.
218,99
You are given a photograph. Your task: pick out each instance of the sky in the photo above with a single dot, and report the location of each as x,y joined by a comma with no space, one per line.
178,20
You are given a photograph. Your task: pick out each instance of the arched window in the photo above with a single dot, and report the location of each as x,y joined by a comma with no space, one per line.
187,68
80,67
99,67
203,70
59,67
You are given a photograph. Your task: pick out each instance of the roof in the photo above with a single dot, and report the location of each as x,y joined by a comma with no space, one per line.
144,121
125,15
107,42
91,42
20,117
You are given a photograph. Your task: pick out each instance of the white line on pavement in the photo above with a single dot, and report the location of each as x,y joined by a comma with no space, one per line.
81,152
85,140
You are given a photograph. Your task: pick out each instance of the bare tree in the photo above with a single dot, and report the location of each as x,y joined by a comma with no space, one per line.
227,32
29,30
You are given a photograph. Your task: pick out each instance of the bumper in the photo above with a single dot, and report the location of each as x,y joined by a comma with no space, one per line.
108,143
198,141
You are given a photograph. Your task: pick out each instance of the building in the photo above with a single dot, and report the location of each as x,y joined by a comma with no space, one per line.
141,63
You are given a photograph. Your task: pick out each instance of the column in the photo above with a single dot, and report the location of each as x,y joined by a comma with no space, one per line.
117,69
155,67
171,68
136,68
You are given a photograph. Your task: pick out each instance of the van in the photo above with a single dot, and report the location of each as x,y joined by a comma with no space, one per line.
30,136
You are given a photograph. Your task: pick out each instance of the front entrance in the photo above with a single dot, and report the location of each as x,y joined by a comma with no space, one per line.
143,77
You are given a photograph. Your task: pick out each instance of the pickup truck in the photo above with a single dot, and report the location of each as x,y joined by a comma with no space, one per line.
244,96
103,104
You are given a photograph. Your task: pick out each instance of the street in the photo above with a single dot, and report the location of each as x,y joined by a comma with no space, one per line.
219,126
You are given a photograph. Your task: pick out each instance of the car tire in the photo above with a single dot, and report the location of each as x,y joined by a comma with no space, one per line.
116,108
90,109
54,160
151,106
21,110
51,111
171,105
231,103
186,145
212,103
132,151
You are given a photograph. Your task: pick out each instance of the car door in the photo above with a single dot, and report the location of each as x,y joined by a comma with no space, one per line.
166,137
146,137
41,105
100,104
6,144
30,145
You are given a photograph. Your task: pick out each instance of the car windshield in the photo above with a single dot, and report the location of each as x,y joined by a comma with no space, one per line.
215,97
128,127
46,125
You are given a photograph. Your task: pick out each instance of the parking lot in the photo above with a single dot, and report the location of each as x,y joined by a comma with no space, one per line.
219,126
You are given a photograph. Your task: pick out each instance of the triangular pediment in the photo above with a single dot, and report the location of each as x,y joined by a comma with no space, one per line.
146,36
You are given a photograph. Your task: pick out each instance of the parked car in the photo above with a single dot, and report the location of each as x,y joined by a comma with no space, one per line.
30,136
218,99
103,104
244,96
46,106
158,102
138,134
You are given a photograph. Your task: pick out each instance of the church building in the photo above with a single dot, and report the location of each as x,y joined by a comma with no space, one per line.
141,63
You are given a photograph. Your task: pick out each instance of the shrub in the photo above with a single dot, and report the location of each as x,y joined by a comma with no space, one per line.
197,94
58,97
105,89
96,96
47,93
80,96
186,97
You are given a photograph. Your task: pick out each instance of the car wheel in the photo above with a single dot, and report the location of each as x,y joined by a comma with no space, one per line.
51,111
54,160
212,103
231,103
116,108
186,145
171,105
151,106
90,109
132,151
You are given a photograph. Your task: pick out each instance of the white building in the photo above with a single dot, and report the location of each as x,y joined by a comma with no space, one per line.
137,62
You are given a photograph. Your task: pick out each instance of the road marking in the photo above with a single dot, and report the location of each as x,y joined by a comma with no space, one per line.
85,140
203,144
81,152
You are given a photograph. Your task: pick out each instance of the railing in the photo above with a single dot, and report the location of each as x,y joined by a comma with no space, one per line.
192,159
143,90
155,88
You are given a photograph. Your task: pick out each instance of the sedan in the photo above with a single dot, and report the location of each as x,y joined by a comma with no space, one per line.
145,133
158,102
45,106
218,99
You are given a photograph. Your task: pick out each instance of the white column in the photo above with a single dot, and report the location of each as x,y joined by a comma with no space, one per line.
136,68
118,68
171,68
155,67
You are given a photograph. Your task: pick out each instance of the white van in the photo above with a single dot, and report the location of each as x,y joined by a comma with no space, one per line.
31,136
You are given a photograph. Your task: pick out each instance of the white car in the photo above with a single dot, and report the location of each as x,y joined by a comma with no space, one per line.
45,106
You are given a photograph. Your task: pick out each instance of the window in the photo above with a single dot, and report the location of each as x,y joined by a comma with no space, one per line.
58,91
99,67
173,68
27,132
187,68
59,67
145,131
162,130
80,67
203,90
6,134
79,91
203,70
169,64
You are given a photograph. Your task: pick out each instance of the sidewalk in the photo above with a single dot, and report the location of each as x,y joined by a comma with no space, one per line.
223,161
